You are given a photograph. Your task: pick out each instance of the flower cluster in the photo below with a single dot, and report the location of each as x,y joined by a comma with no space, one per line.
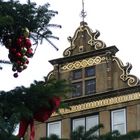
19,51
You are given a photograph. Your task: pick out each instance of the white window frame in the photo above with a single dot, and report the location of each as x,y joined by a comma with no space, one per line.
124,119
53,123
96,117
74,120
85,121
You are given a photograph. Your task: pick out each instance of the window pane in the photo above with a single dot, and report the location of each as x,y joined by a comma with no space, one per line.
77,91
91,121
87,122
90,86
90,71
120,128
77,74
54,128
78,122
118,117
119,120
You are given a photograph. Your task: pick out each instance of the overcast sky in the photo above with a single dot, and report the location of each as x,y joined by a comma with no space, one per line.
117,20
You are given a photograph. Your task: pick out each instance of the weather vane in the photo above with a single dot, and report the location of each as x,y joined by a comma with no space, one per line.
83,13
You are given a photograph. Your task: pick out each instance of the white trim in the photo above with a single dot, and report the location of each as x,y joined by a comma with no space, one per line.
77,119
54,123
124,119
84,121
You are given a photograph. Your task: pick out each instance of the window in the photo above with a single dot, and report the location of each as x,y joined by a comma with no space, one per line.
118,118
77,91
91,121
83,81
90,71
78,122
54,128
90,86
88,122
77,74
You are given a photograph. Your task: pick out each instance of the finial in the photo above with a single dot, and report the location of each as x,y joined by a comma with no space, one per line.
83,13
29,2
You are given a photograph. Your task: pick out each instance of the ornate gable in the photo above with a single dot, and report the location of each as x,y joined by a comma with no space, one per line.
87,50
84,40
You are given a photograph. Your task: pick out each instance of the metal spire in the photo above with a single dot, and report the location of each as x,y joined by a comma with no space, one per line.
29,2
83,13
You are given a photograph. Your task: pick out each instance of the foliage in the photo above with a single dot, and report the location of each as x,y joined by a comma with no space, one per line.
4,62
14,16
14,19
81,134
25,102
115,135
52,137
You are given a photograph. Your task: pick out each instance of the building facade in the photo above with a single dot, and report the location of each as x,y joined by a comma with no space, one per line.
104,90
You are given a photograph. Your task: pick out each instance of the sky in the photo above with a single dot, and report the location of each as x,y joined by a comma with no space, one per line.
117,20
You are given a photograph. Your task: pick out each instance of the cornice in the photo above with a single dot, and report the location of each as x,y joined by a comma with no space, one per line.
100,103
103,95
112,49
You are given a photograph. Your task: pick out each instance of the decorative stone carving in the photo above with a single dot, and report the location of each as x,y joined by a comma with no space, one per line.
125,76
82,63
92,41
100,103
50,75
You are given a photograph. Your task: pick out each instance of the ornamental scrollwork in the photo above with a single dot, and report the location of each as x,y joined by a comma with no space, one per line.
50,75
91,41
67,52
125,76
98,43
82,63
